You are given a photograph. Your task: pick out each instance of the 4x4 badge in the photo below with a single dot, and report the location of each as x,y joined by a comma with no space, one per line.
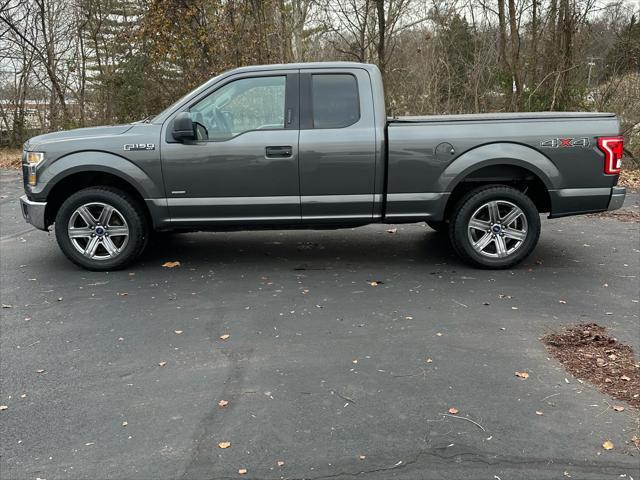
565,142
139,146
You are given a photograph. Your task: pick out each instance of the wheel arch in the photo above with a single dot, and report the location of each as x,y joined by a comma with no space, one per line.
510,164
82,179
85,169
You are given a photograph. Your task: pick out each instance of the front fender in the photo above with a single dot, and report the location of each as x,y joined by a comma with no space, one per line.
97,161
500,154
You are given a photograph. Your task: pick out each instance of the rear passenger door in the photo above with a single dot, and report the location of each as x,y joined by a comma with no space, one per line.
337,146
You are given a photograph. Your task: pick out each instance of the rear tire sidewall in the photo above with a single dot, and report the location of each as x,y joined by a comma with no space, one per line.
132,213
477,198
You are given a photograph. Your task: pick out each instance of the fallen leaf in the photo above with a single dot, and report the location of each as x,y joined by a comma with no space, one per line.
171,264
618,408
608,445
362,457
523,375
453,411
242,471
3,407
429,360
625,378
538,412
280,463
178,332
162,364
225,336
375,283
223,403
125,423
224,445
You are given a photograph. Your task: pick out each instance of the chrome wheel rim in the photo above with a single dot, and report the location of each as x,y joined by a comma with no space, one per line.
497,229
98,231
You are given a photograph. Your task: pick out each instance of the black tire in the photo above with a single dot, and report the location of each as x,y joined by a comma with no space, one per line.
473,203
125,206
440,227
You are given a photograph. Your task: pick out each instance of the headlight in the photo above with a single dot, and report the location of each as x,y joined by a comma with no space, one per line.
33,159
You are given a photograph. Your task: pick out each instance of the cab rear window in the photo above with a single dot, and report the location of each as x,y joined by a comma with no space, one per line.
335,100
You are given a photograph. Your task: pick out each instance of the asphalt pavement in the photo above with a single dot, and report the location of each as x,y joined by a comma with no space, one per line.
345,351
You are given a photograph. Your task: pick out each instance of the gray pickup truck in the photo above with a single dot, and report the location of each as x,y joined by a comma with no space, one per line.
310,146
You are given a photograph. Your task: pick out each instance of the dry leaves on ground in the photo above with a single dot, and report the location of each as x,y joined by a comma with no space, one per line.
453,411
223,403
630,178
10,158
523,375
171,264
225,336
590,354
608,445
224,445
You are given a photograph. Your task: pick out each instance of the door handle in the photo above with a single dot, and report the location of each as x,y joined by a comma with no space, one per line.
279,152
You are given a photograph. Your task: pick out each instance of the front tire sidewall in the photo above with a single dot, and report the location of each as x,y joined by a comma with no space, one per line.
458,228
125,205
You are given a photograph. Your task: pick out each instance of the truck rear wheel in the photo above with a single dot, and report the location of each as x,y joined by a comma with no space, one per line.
101,228
495,227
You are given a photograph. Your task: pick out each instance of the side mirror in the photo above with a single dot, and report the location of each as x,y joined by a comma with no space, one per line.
183,127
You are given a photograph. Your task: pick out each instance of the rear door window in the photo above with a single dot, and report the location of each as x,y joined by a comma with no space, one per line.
335,101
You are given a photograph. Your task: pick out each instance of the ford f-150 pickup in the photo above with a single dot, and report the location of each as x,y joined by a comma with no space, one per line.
310,146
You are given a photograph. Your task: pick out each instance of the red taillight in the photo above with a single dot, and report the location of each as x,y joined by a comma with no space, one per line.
612,147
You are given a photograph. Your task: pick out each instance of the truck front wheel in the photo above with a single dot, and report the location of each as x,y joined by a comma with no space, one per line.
101,228
495,227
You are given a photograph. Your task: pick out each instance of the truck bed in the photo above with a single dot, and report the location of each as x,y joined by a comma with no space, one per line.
510,117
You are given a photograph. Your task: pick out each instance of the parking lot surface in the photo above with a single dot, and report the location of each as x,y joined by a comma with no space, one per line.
345,351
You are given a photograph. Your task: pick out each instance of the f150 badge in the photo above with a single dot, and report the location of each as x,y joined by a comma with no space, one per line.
565,142
139,146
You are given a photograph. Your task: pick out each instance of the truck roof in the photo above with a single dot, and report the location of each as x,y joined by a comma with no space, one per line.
305,65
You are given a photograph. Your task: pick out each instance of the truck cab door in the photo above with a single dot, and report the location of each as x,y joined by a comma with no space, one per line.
337,148
242,167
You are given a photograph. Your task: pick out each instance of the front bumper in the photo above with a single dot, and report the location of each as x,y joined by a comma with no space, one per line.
33,212
617,198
